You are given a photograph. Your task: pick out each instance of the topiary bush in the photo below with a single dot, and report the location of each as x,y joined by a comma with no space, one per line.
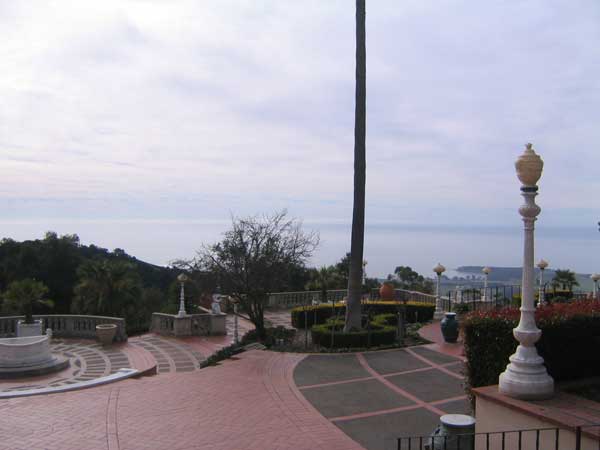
569,331
319,314
378,333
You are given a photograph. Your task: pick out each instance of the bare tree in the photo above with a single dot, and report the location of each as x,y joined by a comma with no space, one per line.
358,213
256,258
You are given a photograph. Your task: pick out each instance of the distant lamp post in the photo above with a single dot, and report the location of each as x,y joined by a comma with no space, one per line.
542,295
439,310
486,272
595,279
525,376
236,336
182,278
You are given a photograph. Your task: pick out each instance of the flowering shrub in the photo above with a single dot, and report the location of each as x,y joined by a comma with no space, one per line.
569,334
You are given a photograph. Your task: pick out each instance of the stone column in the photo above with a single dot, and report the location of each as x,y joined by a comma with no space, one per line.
486,272
525,376
236,336
182,279
439,309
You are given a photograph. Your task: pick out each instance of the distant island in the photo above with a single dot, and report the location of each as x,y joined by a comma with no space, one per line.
511,275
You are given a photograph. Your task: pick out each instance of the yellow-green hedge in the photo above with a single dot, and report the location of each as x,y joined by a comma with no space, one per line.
318,314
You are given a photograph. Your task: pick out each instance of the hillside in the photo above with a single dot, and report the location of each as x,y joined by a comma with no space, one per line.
55,261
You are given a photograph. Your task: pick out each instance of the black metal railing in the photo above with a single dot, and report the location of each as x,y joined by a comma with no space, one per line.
552,438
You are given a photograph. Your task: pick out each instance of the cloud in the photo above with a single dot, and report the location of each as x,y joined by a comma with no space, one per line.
250,104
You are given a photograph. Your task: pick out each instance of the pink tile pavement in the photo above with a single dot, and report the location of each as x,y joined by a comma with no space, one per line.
246,403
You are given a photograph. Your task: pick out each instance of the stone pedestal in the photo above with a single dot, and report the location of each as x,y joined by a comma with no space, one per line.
29,329
182,326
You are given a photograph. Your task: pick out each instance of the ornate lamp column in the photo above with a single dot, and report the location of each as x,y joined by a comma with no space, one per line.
541,297
439,310
236,336
525,376
486,271
182,278
595,277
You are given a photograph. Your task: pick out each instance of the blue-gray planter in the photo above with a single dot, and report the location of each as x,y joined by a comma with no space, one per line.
449,326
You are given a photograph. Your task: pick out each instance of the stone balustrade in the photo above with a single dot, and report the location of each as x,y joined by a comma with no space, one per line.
303,298
68,325
300,298
204,324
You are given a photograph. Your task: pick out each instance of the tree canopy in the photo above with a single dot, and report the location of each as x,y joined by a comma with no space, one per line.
256,257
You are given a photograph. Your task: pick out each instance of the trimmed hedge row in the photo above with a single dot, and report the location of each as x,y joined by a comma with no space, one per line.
380,332
319,314
569,331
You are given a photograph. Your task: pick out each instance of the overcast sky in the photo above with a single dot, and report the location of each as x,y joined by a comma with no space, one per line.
183,111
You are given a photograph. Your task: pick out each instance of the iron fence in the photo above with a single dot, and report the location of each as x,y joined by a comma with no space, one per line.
551,438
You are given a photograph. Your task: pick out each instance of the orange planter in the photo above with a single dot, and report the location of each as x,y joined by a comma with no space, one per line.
386,291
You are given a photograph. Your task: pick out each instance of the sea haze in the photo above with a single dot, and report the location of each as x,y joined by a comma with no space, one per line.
386,245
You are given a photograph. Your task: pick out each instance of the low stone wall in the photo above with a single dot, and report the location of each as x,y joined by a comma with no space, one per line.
68,325
205,324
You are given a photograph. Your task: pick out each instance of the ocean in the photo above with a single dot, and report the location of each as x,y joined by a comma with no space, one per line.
386,245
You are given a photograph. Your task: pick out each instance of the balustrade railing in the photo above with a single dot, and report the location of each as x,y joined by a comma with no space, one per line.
300,298
189,325
303,298
68,325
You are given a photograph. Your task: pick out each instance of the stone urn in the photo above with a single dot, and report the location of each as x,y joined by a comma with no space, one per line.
106,333
386,291
456,431
449,326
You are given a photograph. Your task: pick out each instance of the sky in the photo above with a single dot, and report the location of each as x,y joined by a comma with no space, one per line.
146,124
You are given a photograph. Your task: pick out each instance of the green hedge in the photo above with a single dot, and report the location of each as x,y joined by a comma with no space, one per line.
319,314
570,332
380,332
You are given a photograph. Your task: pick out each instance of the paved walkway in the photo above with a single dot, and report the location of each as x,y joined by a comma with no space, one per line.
249,403
376,397
148,353
258,400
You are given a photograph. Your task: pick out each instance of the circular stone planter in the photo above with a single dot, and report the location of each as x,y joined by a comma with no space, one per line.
28,356
106,333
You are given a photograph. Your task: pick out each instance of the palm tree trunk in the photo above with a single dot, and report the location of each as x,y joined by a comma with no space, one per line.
358,213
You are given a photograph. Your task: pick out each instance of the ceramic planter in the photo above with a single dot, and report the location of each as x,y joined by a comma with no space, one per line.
449,326
386,291
106,333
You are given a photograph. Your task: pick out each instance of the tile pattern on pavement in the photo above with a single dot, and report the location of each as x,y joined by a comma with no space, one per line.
88,360
249,403
376,397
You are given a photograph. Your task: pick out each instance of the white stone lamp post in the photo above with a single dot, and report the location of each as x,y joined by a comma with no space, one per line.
541,295
182,278
595,277
236,336
439,310
525,376
486,272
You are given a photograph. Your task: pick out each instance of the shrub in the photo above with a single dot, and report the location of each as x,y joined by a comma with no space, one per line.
271,336
319,314
460,308
569,330
378,334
